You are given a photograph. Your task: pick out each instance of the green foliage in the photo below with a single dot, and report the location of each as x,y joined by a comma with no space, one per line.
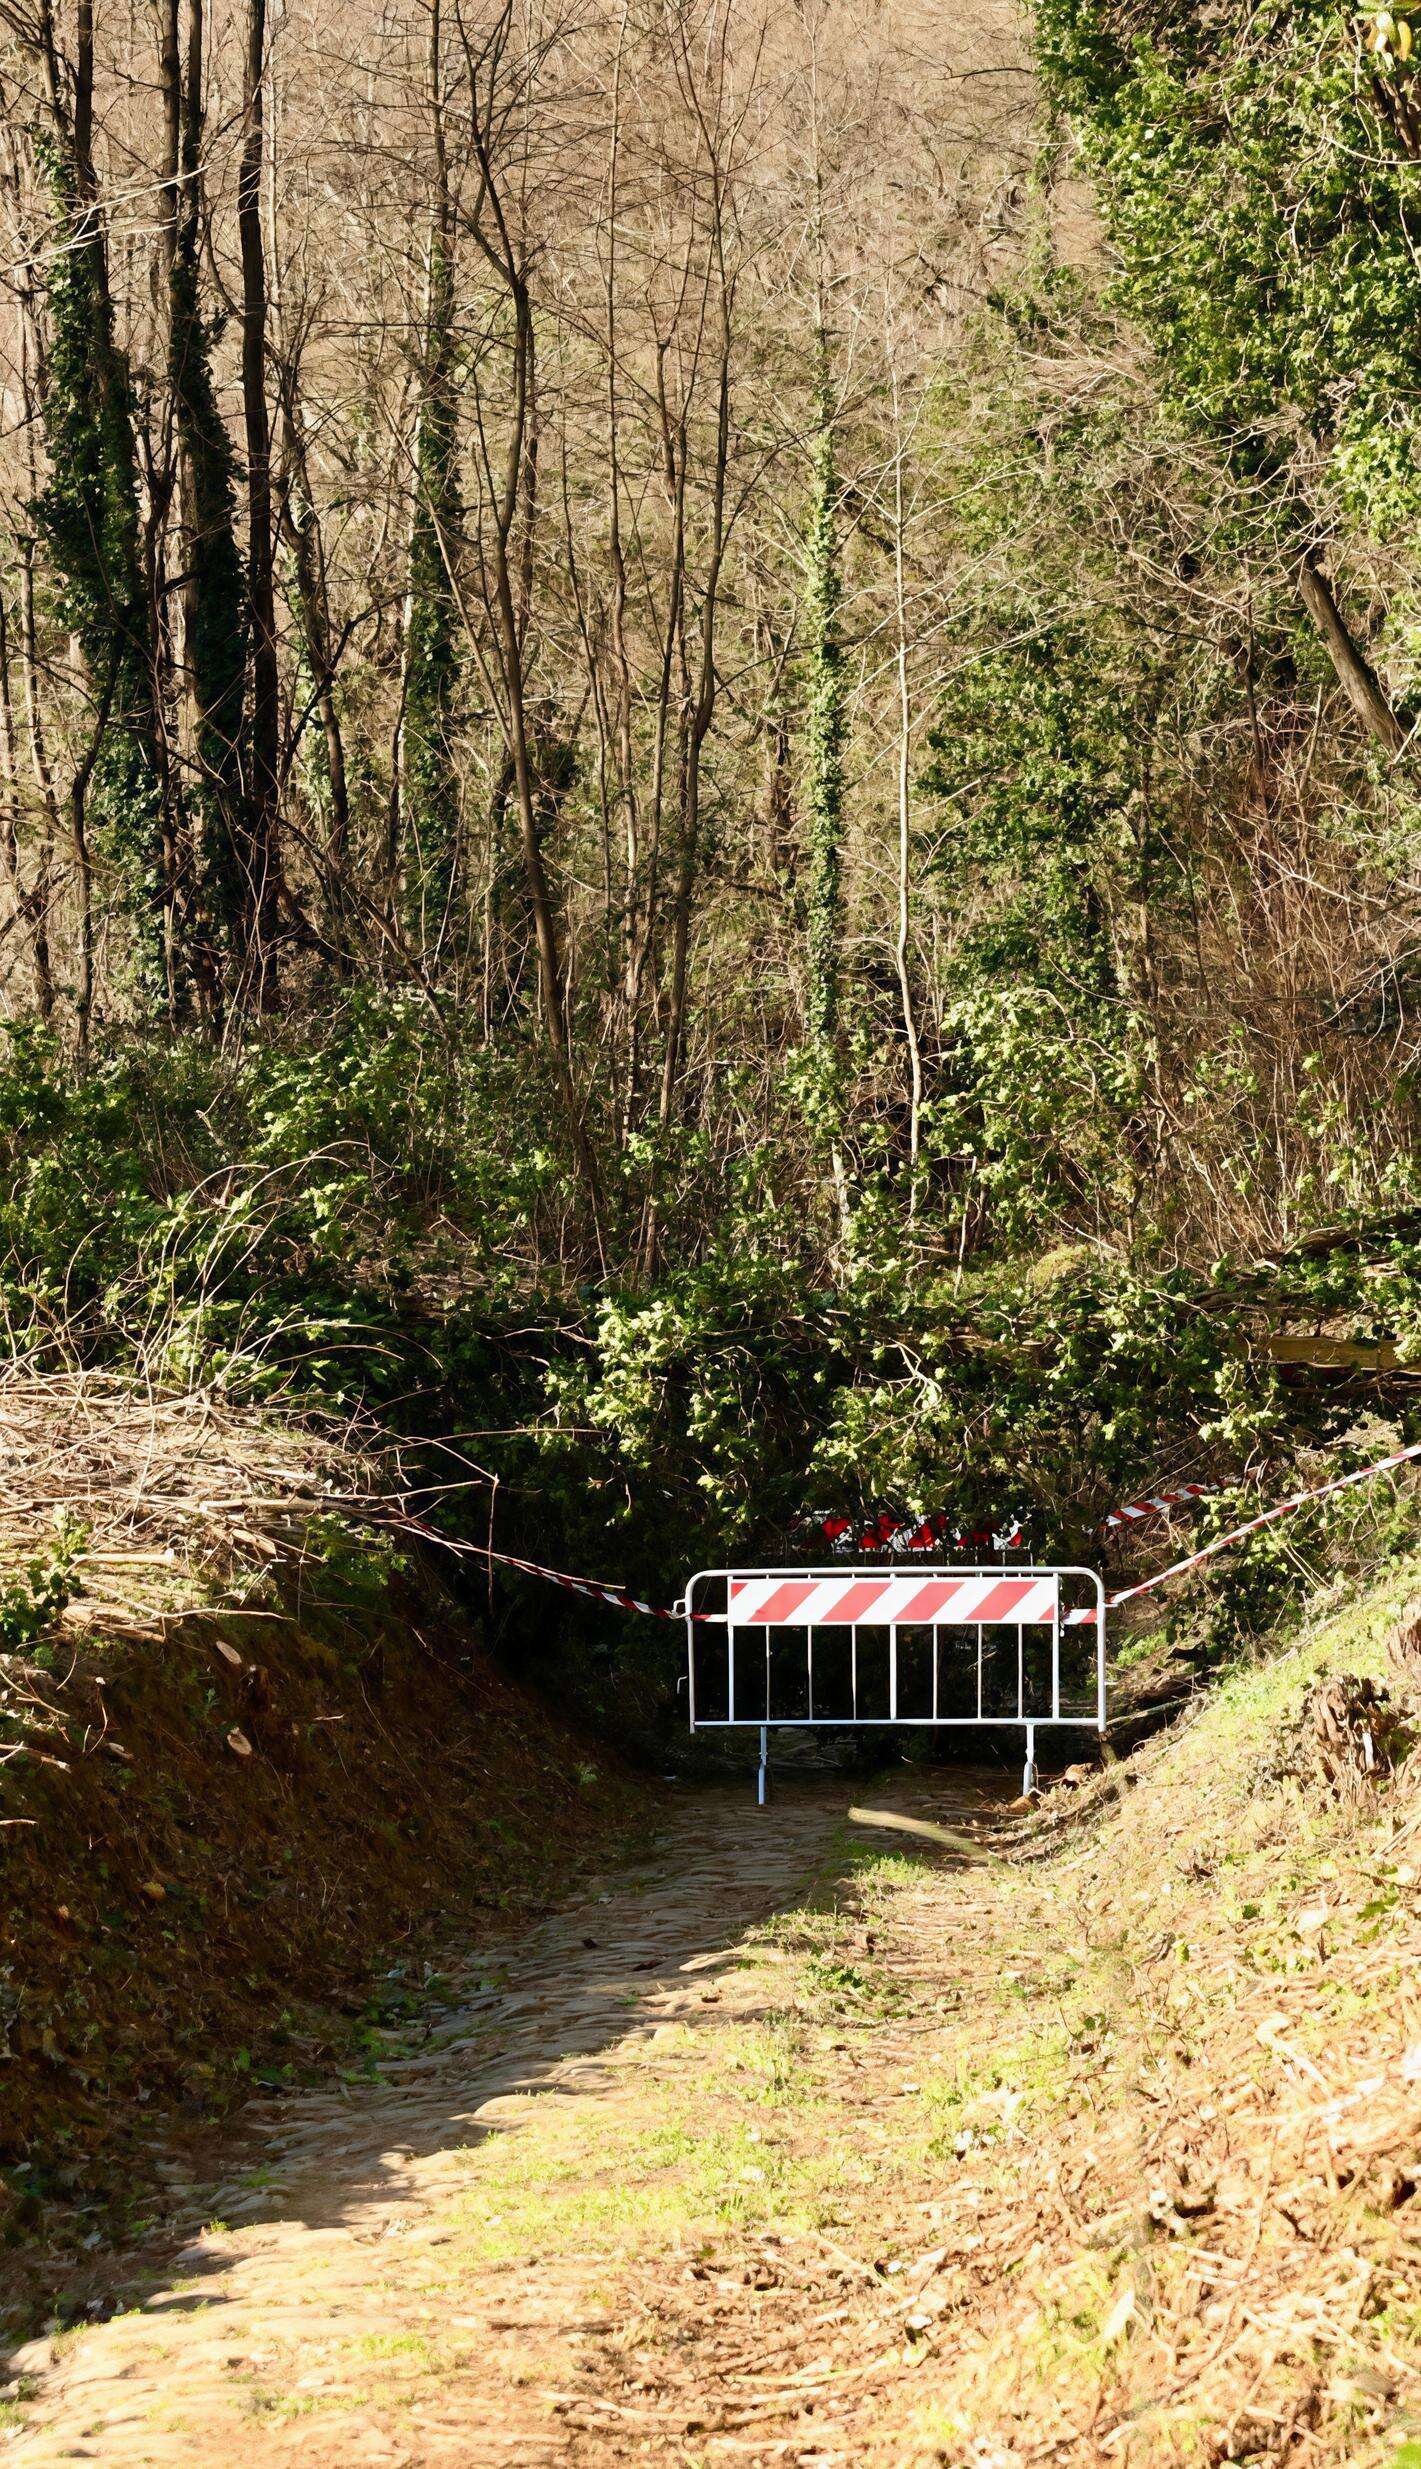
347,1570
350,1222
259,1220
742,1394
1047,1396
32,1602
707,1394
1044,775
1263,214
1035,760
1094,795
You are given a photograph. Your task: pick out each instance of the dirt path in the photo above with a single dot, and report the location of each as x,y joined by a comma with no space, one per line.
1092,2141
414,2269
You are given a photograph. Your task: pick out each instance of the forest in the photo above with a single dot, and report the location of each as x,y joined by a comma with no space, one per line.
712,706
710,820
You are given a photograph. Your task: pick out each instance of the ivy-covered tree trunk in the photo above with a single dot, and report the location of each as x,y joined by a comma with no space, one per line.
261,861
87,516
428,782
211,597
826,728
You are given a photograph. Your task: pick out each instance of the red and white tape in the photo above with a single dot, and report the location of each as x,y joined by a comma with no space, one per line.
1236,1534
1156,1504
588,1586
624,1602
615,1595
914,1538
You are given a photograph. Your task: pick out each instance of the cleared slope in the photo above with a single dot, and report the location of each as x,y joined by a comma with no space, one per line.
1107,2150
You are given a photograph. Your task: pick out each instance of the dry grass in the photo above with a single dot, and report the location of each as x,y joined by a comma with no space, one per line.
249,1749
176,1496
126,1509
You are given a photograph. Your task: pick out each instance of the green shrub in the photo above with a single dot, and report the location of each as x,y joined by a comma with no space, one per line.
33,1602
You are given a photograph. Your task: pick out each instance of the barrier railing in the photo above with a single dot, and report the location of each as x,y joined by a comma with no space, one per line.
947,1648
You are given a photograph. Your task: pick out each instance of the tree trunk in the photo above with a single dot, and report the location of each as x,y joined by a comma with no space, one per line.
428,788
308,560
511,483
261,888
87,515
209,600
698,726
1357,678
825,730
905,809
31,905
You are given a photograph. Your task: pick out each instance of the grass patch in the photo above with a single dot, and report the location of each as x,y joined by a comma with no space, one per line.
601,2193
415,2345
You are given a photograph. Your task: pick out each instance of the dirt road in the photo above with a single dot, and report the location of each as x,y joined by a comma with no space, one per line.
1091,2140
411,2271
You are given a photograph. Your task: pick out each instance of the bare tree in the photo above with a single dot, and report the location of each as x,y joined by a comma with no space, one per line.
262,855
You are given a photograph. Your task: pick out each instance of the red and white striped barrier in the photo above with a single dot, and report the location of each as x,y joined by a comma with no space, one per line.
786,1601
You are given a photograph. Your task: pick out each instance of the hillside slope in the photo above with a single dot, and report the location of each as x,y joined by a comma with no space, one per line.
1120,2134
1106,2148
256,1767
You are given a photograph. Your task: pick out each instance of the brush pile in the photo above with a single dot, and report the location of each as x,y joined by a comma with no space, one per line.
122,1507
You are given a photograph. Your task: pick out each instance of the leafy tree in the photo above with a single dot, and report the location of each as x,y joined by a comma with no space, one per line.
1262,214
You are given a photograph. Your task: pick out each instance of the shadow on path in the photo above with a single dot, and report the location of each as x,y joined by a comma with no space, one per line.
308,2251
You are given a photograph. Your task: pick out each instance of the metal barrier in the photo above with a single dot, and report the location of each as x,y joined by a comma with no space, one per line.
843,1648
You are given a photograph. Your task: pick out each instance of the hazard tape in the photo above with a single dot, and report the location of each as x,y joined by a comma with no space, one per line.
1156,1504
588,1586
1236,1534
916,1537
615,1595
891,1531
1083,1617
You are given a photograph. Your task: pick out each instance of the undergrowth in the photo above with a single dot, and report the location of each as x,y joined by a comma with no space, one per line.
343,1226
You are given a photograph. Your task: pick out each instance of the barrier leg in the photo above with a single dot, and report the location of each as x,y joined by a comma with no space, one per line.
1028,1779
764,1774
